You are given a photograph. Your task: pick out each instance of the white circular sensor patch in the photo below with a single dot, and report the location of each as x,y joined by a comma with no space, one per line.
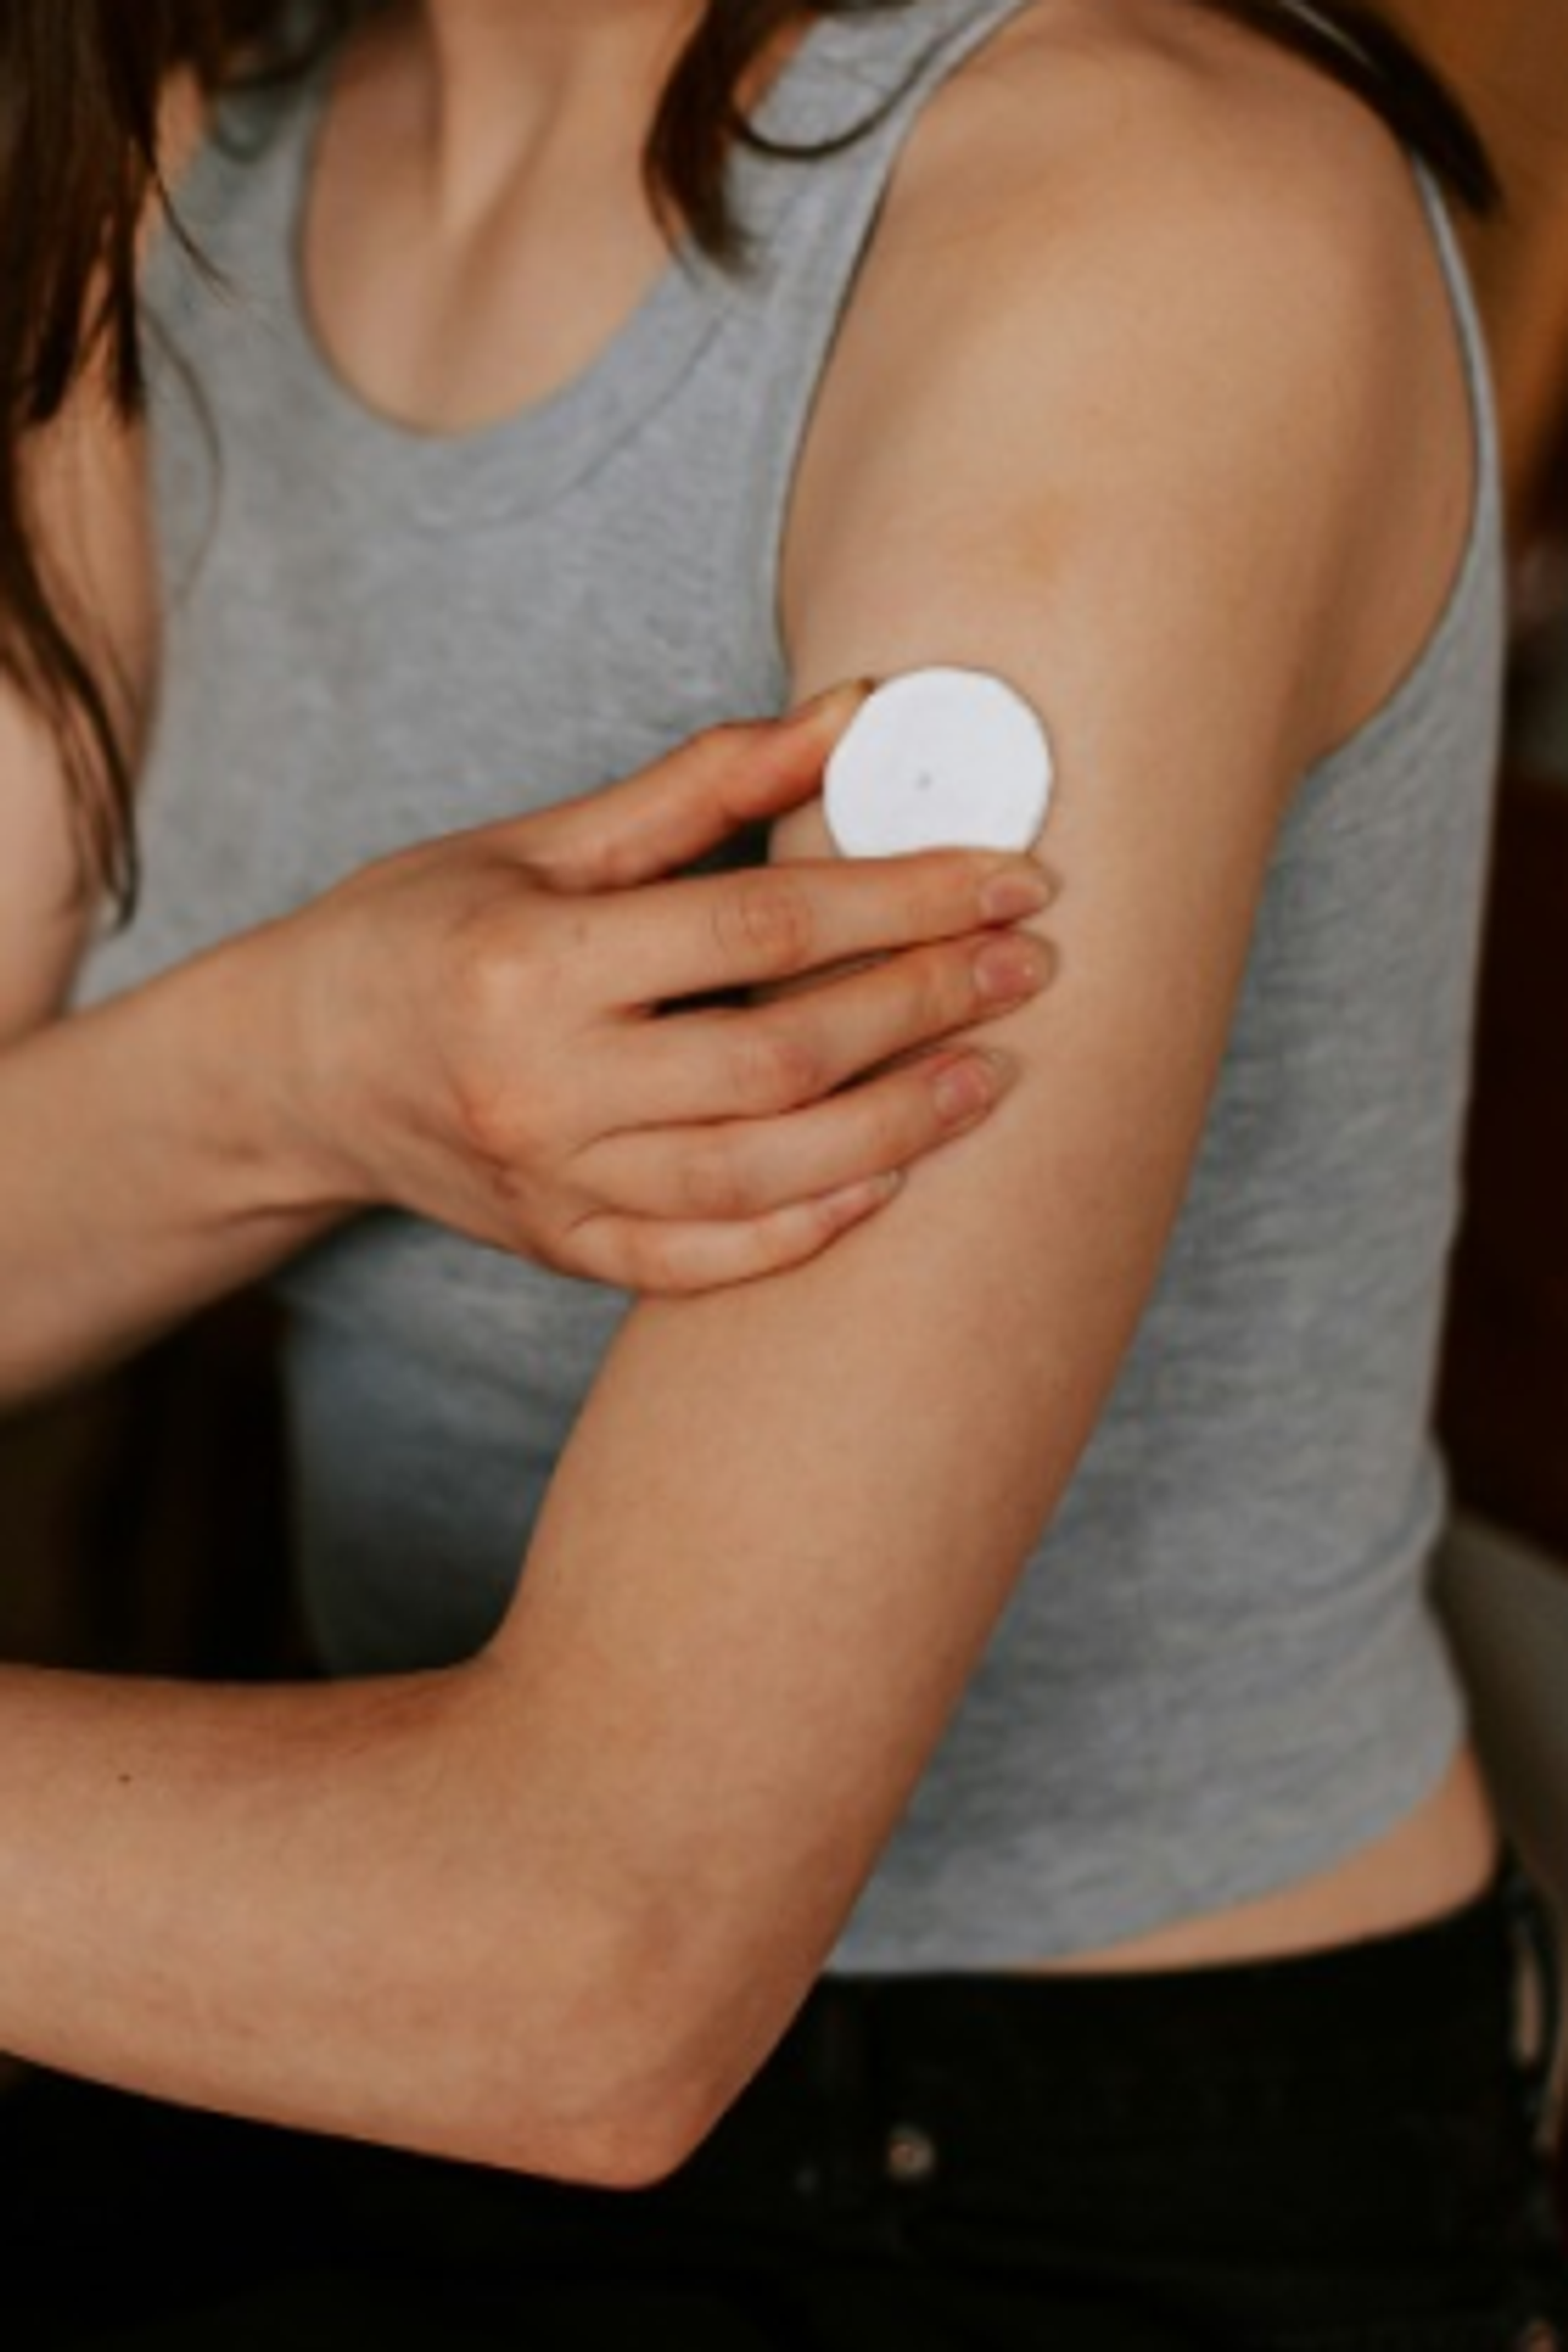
939,760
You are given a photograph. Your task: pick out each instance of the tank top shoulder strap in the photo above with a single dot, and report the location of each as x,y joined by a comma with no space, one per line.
814,221
1491,494
846,99
231,224
1466,645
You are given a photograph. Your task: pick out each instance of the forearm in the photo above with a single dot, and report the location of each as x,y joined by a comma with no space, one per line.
146,1168
299,1903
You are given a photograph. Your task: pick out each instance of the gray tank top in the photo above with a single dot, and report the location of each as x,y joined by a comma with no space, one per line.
1220,1670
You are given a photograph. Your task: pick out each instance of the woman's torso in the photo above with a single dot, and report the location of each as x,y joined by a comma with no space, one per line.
1220,1674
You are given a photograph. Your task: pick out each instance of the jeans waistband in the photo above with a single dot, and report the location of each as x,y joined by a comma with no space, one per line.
1428,2019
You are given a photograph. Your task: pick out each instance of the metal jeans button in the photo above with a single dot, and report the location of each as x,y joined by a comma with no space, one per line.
911,2155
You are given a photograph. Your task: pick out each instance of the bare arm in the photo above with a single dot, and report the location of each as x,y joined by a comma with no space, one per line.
122,1198
132,1185
551,1909
382,1046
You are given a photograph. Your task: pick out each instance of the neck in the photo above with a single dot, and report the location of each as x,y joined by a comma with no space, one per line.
495,79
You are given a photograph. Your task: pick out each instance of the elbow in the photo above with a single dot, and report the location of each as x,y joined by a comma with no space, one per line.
607,2013
635,2147
630,2133
627,2147
697,2018
626,2126
618,2090
645,2137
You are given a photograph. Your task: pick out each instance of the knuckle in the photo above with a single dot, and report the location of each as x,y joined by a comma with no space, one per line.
555,841
650,1261
957,874
485,1131
612,858
764,925
724,743
510,1129
941,891
926,995
777,1065
780,1239
490,965
954,904
823,1221
712,1185
586,1251
682,1278
596,856
898,1120
942,991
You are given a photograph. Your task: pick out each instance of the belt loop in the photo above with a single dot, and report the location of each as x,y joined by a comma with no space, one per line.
1536,1938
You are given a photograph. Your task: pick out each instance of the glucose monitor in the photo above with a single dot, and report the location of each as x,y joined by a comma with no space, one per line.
939,760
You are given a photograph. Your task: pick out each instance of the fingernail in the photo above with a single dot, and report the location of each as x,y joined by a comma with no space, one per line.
1016,891
965,1088
1006,970
817,703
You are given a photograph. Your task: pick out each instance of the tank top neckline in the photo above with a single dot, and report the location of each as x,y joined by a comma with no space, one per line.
493,473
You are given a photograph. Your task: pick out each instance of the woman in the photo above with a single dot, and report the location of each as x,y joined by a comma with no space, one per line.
965,1823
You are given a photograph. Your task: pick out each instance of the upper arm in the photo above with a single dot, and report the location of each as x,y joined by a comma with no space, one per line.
1128,474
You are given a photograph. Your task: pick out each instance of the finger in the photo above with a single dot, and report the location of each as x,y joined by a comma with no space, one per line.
645,1254
674,811
766,1060
745,1169
707,933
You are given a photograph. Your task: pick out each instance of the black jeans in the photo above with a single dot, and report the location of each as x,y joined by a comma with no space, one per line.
1332,2153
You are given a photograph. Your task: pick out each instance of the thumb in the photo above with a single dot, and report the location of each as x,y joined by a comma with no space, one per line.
677,808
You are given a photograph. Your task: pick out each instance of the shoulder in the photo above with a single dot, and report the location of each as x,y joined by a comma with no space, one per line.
1139,263
1164,133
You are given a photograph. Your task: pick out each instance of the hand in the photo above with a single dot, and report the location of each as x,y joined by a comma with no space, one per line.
505,1030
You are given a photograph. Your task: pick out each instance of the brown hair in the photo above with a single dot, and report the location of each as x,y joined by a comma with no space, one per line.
81,83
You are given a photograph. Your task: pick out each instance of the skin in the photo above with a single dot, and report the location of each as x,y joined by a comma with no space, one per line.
614,1140
641,1816
1415,442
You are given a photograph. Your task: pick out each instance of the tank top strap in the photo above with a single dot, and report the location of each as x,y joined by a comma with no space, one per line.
1490,481
1473,613
230,231
850,95
876,69
853,84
